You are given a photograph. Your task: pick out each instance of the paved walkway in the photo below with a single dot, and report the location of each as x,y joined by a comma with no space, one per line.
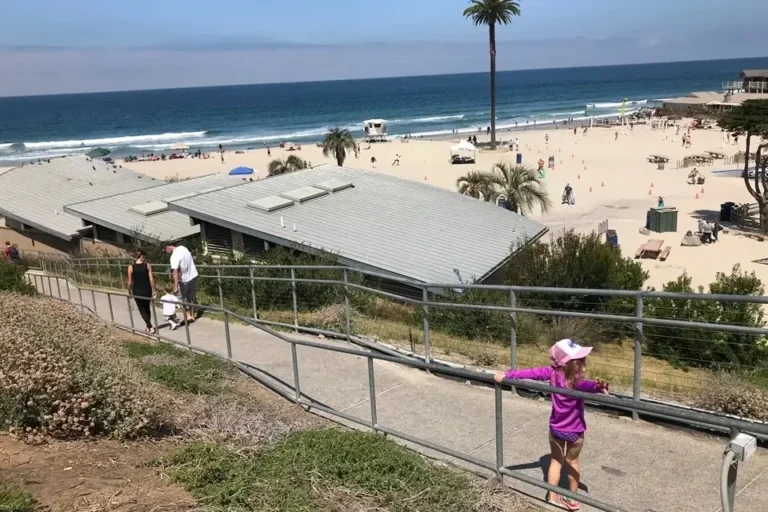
638,466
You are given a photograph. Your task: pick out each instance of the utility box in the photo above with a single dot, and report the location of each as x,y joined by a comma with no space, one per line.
662,220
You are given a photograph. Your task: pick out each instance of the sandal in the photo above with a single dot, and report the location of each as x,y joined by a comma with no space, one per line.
570,504
556,502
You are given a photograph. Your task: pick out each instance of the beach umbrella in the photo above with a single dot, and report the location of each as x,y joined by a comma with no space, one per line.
98,152
241,171
180,145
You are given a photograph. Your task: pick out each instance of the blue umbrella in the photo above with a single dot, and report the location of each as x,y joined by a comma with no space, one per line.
241,171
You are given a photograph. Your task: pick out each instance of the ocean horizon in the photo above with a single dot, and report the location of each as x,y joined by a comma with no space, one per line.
254,116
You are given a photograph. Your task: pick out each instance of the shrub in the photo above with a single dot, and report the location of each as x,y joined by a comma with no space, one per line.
62,376
573,260
727,394
12,279
14,499
690,346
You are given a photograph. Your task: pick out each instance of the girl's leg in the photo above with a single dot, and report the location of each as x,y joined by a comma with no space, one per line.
572,464
557,449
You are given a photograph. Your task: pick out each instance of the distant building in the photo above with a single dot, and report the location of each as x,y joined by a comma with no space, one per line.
142,216
367,220
33,196
754,80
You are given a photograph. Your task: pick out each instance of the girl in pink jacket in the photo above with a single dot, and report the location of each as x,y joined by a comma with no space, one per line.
566,423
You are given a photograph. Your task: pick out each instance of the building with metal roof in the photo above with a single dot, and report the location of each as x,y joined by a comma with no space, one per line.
33,196
364,219
143,215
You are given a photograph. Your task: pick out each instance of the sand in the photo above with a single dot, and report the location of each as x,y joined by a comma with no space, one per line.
616,171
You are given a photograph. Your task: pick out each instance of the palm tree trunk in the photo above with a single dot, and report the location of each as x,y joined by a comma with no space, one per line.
492,36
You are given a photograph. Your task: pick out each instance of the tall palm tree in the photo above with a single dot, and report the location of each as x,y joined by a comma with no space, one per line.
492,13
290,164
476,184
521,186
338,143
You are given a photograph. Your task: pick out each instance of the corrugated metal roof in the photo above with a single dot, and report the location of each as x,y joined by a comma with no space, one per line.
754,73
139,214
402,227
35,194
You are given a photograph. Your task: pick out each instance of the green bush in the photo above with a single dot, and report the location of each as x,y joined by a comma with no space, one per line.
573,260
14,499
12,279
729,394
690,346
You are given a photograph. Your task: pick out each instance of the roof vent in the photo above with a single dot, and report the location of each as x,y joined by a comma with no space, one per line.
334,185
304,194
150,208
270,204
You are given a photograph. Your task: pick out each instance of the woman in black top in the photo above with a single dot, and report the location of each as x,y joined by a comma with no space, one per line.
141,284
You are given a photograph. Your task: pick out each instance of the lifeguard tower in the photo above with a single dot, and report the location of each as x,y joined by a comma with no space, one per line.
375,130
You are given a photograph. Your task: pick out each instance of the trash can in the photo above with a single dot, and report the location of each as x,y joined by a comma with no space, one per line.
726,211
662,220
519,159
551,163
612,238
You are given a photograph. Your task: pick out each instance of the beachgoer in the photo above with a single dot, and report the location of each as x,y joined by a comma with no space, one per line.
517,144
141,283
567,425
488,130
546,138
474,140
397,161
13,255
567,194
373,161
616,135
716,228
269,151
184,277
7,251
170,305
705,231
660,202
574,130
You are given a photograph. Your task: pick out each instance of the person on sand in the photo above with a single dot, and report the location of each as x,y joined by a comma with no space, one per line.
567,425
141,284
373,162
546,138
568,195
616,135
269,151
660,202
397,161
184,277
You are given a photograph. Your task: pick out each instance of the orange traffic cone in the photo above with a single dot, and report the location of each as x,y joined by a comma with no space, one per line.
697,196
649,192
590,189
602,183
578,177
651,184
702,190
425,178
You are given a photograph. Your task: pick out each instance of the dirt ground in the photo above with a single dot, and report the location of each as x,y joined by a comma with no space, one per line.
93,476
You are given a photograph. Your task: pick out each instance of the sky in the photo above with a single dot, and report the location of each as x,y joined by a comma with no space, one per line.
55,46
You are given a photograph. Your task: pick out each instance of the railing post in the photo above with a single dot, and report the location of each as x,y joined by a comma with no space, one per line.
372,393
111,312
221,293
427,350
186,332
66,283
109,274
347,305
93,298
295,303
50,286
253,294
636,380
88,269
513,332
152,301
98,273
499,432
130,312
58,285
227,335
295,360
80,294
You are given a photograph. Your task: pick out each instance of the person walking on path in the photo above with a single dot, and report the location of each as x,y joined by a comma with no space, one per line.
184,277
566,422
141,283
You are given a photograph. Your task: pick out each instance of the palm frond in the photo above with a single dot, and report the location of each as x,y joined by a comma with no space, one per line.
338,143
522,188
492,12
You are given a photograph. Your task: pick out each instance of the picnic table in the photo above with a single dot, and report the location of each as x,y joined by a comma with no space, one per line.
658,159
652,249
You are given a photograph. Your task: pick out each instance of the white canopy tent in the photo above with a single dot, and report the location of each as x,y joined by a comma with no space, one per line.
464,149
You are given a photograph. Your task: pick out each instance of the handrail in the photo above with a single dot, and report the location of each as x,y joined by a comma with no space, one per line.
654,409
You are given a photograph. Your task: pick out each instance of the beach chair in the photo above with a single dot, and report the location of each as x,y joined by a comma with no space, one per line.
665,253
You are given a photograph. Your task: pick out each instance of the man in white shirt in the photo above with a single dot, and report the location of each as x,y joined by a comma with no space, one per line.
184,276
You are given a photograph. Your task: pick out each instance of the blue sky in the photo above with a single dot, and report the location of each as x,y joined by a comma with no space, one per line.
73,41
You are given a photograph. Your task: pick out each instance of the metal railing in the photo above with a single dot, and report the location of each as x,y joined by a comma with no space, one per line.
692,417
288,296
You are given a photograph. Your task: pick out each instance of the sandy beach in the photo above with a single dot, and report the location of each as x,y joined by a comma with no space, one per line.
612,180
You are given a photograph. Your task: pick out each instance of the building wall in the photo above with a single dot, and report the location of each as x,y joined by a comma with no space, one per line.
33,242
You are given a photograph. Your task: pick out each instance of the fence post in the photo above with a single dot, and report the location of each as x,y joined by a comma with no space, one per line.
50,287
93,298
227,335
221,293
513,333
253,294
153,302
295,303
98,273
636,381
295,360
186,332
109,275
347,306
111,312
58,285
66,282
88,269
499,432
130,312
80,294
427,350
372,394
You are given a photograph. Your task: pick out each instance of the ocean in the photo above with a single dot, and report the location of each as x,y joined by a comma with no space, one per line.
247,116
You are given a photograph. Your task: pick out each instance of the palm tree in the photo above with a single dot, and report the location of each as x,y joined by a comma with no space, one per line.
338,143
290,164
492,13
476,184
521,187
